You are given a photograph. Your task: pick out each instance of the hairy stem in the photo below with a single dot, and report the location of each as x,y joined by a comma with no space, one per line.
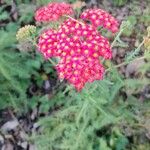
74,19
52,62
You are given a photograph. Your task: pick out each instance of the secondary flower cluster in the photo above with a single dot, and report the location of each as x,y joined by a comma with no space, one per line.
53,11
100,17
79,46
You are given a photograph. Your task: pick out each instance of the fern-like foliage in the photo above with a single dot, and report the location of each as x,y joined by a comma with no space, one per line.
80,125
15,71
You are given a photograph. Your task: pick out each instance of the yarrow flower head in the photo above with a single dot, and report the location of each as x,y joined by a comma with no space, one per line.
79,46
53,11
99,17
25,32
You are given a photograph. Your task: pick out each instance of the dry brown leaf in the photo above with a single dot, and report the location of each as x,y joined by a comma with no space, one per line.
78,4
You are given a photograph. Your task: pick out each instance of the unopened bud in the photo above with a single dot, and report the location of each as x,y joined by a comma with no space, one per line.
25,33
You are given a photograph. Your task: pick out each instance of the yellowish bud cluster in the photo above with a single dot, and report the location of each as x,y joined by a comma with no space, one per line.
25,32
147,39
148,30
147,43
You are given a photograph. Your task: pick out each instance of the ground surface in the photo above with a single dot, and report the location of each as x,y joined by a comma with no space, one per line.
15,128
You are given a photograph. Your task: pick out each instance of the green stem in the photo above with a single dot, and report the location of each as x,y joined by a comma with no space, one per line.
81,132
52,62
97,106
115,40
84,106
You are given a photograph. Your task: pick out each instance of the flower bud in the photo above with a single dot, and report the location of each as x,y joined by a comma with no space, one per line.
25,33
147,39
147,43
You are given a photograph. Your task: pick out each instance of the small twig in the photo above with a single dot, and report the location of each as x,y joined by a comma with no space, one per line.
125,63
141,125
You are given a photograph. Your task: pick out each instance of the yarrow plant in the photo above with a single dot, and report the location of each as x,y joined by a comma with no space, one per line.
77,43
78,48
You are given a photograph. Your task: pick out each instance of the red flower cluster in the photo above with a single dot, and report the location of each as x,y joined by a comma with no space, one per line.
79,46
100,17
53,11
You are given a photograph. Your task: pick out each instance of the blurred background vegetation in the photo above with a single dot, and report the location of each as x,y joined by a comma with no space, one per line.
37,111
